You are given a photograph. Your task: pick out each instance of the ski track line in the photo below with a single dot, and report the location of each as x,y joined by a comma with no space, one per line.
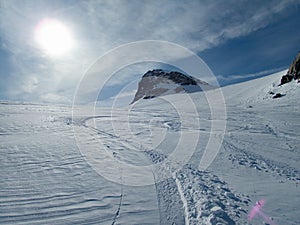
258,162
166,202
166,192
176,181
199,191
83,123
183,199
117,214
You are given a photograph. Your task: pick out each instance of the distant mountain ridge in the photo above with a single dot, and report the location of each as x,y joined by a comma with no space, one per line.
158,82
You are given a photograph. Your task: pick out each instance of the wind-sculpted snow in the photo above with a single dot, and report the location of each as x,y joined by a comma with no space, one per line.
44,179
47,176
187,195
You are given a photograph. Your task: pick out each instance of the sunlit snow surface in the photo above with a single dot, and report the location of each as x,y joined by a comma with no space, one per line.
45,178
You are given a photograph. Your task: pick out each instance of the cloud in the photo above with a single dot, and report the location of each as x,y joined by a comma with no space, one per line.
122,99
30,85
51,97
99,26
195,24
234,77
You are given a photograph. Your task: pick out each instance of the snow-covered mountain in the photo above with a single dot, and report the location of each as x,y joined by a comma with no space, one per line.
119,167
158,82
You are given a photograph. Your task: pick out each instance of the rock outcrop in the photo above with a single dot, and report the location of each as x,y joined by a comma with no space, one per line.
293,72
159,82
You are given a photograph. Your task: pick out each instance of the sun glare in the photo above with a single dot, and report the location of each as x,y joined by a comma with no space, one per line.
53,37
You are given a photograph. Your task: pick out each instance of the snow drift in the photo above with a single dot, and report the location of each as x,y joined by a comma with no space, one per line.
47,179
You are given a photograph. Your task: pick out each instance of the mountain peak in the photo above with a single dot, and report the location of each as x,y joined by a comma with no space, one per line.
159,82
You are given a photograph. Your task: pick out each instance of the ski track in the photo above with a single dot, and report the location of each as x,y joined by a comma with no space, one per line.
241,149
52,187
40,183
205,199
105,135
116,145
167,195
181,200
241,157
45,179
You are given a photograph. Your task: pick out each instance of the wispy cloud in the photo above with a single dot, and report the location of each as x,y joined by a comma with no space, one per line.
98,26
234,77
122,99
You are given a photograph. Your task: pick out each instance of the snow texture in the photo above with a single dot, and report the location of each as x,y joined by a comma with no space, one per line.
46,179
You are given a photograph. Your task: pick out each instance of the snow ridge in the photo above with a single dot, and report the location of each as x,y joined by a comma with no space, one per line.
183,199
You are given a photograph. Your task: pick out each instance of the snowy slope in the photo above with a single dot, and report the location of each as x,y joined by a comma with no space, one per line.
262,144
132,166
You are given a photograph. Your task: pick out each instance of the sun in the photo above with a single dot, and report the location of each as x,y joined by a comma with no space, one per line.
53,37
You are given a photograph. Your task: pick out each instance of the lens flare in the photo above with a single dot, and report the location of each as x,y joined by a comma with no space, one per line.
257,210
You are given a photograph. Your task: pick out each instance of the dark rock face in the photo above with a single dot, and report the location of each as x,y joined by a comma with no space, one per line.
293,72
295,67
286,79
177,77
147,97
159,82
278,95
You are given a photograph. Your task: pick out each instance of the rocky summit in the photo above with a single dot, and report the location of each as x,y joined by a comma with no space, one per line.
158,82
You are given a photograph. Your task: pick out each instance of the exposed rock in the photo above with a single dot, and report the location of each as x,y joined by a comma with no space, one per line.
159,82
174,76
147,97
286,79
278,95
295,67
293,72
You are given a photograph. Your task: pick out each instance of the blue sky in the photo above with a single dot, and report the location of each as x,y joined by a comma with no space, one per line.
239,40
